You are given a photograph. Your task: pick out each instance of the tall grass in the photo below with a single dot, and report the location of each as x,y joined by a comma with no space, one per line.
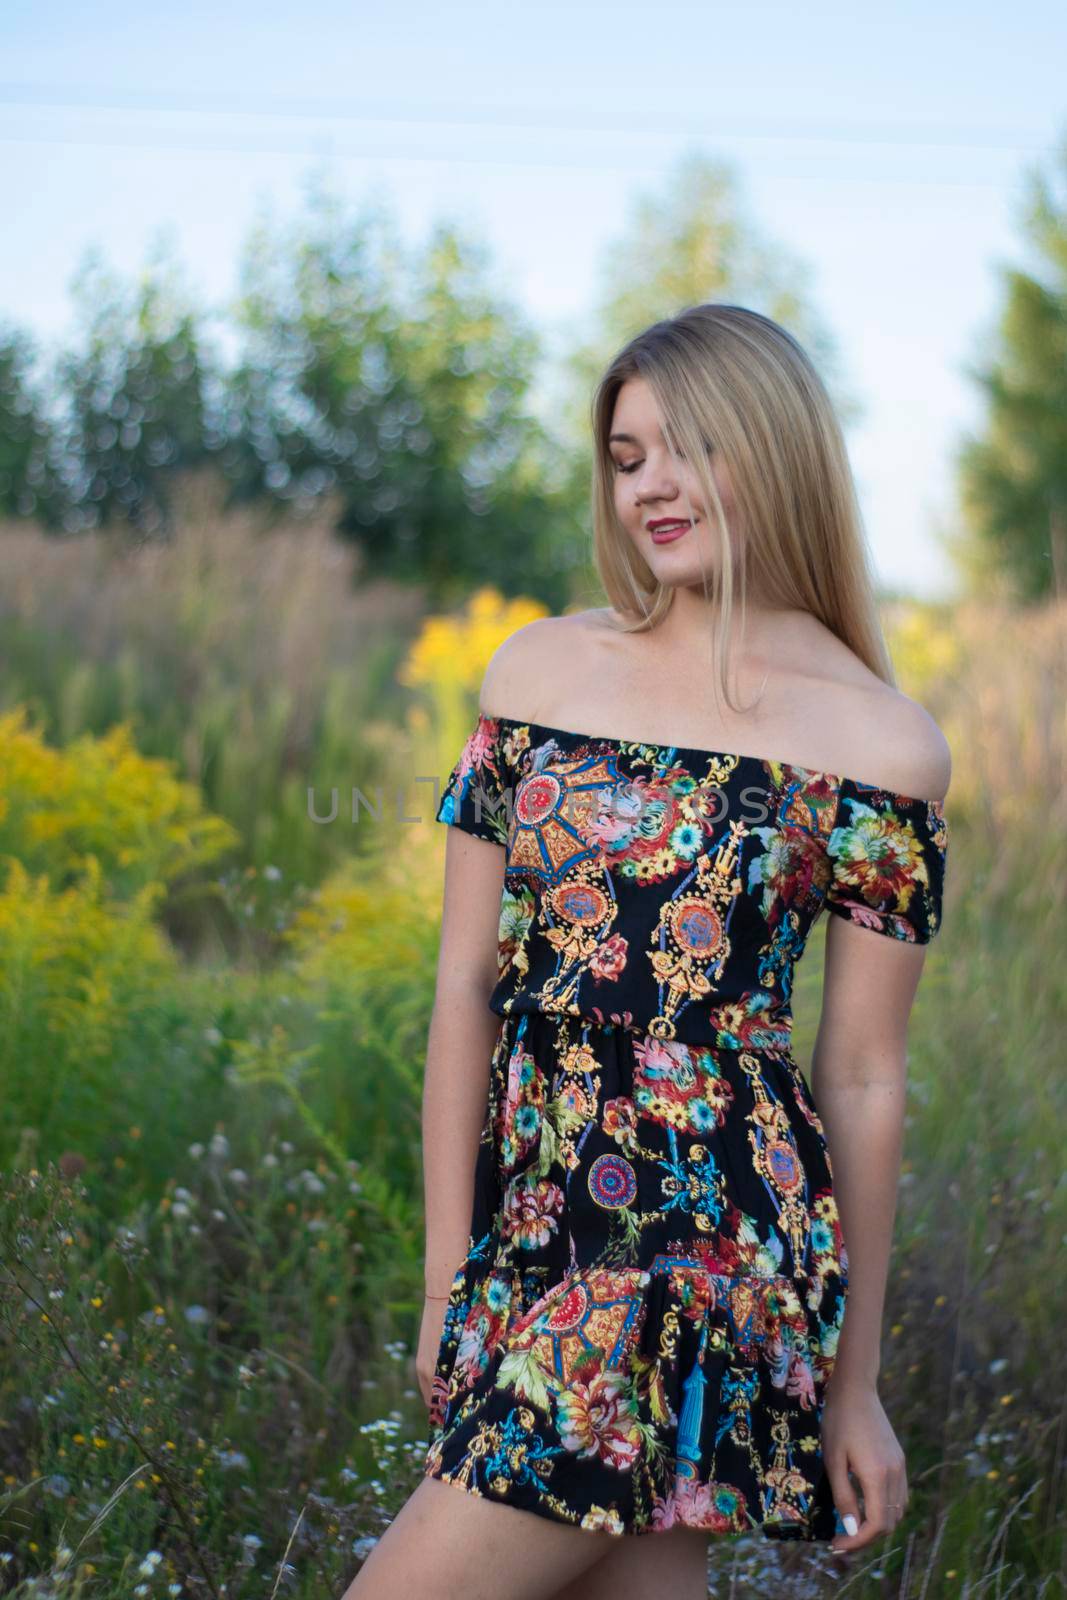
245,650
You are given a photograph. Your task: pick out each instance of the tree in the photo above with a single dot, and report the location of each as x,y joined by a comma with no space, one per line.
135,397
28,484
398,384
1013,479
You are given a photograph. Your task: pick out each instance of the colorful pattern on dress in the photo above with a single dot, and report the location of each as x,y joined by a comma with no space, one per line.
642,1330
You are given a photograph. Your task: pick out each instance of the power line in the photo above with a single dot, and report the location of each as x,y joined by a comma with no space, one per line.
242,105
325,145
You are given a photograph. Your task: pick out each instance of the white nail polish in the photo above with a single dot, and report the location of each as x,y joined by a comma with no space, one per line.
851,1525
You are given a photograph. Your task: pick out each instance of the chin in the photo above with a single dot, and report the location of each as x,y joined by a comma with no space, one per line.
679,573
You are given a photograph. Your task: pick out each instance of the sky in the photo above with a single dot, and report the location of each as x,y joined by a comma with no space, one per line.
887,148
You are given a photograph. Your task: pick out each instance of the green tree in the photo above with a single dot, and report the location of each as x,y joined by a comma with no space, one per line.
398,383
135,406
1013,479
28,484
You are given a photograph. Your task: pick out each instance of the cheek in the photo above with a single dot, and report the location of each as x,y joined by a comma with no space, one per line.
624,500
691,487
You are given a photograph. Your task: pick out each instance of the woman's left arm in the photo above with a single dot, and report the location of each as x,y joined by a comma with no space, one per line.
887,853
858,1079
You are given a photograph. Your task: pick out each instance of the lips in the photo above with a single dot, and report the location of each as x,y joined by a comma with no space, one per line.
667,532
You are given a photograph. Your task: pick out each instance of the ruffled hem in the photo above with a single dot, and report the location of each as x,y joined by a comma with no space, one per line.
633,1399
599,1519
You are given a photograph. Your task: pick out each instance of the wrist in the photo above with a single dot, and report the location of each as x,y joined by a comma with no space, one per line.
845,1376
439,1275
439,1285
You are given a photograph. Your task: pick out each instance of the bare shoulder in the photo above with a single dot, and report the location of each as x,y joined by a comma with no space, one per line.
526,671
915,757
888,738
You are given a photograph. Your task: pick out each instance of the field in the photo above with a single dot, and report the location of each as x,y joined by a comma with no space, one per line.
213,1011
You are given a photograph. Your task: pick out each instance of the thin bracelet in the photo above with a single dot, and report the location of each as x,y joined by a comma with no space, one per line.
427,1296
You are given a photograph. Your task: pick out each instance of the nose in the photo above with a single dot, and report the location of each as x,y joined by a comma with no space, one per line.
654,484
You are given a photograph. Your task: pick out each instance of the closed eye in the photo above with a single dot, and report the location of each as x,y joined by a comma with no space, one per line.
633,465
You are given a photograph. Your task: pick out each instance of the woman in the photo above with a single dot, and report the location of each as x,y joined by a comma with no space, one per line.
634,1329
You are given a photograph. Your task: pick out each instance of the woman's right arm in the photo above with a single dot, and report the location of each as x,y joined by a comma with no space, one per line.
460,1043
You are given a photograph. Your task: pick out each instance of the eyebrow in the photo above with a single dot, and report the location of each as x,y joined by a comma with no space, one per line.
626,438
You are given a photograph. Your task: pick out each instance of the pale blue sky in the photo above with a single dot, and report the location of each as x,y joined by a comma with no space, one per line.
884,147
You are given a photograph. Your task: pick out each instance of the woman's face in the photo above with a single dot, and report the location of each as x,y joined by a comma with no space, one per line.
651,487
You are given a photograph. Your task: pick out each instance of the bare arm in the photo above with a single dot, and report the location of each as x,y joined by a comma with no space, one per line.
859,1072
858,1083
859,1067
459,1046
887,849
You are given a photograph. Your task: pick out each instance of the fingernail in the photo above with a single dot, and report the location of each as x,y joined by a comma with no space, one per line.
851,1525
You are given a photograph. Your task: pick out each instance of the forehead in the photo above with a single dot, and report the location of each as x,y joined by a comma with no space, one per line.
635,415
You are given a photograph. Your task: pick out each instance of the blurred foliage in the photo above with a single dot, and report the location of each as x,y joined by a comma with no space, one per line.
91,837
446,663
246,654
135,398
1013,476
403,389
453,651
401,383
29,486
100,799
75,966
926,648
400,387
394,386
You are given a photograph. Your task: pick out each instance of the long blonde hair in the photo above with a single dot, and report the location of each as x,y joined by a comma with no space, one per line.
733,380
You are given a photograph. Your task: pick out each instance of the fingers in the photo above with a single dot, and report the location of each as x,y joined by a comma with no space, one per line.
885,1497
848,1507
897,1498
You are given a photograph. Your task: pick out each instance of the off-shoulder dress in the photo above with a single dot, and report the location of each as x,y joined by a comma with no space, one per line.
642,1329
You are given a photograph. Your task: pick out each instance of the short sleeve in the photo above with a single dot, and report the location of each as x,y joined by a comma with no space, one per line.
887,856
475,796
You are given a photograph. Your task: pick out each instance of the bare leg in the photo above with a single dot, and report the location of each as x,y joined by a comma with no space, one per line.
673,1563
445,1541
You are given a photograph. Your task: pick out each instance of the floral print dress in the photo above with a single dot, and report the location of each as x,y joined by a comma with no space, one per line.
642,1330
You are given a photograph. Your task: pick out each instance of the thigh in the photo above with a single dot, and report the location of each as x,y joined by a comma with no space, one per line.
446,1541
640,1567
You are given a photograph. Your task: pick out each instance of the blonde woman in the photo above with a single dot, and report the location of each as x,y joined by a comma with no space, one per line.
639,1326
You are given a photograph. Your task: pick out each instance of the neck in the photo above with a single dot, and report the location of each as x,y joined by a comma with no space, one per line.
690,625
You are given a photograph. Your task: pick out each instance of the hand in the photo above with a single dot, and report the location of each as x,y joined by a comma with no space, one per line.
857,1437
430,1330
